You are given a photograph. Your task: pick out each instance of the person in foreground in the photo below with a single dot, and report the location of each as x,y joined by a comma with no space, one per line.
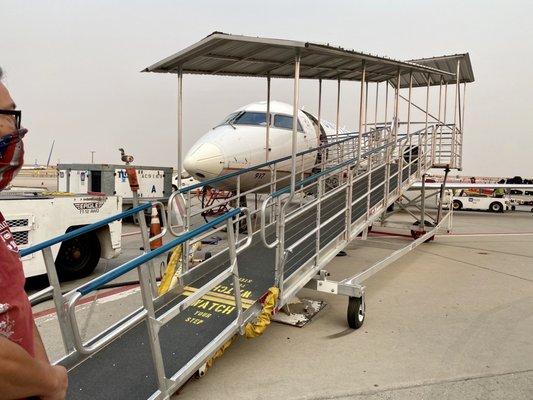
25,371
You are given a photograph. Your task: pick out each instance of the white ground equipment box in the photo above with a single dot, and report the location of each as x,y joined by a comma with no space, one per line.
155,183
34,218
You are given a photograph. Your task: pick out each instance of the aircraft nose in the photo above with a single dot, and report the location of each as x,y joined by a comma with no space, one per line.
204,161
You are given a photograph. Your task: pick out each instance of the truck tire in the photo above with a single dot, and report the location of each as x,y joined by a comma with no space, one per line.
457,205
78,257
496,207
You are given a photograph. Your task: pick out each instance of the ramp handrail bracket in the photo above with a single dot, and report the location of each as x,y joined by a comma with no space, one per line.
72,298
263,224
249,230
164,221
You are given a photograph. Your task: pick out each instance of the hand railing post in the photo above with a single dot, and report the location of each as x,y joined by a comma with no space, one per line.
349,195
235,273
152,325
320,190
146,245
237,205
62,316
185,246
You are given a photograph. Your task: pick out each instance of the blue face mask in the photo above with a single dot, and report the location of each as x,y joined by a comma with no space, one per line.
11,156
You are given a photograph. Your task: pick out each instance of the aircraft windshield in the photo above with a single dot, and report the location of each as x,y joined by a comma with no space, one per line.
250,118
245,118
285,122
259,119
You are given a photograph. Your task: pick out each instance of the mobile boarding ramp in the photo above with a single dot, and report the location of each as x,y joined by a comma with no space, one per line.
309,214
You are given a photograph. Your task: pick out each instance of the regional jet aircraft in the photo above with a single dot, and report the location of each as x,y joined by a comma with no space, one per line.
238,142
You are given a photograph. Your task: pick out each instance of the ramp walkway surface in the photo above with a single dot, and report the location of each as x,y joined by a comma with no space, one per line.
125,367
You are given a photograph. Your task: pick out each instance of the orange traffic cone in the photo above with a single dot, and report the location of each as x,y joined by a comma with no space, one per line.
155,229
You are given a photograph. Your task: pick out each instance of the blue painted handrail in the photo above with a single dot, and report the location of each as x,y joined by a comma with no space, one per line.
84,229
314,177
132,264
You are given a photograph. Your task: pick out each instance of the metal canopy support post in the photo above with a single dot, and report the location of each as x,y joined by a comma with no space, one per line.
457,105
395,131
319,113
410,138
386,101
361,109
295,105
376,107
267,135
180,126
456,115
319,116
464,102
434,137
444,120
340,153
366,106
426,122
460,166
280,250
396,109
388,152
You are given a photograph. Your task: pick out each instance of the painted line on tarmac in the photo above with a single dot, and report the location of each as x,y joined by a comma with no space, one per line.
121,292
131,233
105,297
382,233
486,234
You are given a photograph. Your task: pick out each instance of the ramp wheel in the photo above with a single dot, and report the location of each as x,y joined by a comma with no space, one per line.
356,312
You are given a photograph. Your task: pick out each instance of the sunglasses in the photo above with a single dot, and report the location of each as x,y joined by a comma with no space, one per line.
15,113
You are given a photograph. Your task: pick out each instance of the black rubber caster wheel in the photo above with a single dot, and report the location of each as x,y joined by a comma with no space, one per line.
356,312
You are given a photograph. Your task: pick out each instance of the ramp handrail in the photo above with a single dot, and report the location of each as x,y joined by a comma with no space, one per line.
317,175
408,151
75,295
85,229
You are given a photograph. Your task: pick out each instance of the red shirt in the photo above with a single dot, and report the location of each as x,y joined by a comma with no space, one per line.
16,319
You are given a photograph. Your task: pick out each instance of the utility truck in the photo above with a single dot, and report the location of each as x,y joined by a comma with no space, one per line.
34,217
473,199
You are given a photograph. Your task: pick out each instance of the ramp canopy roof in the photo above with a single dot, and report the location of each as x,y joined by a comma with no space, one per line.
235,55
449,64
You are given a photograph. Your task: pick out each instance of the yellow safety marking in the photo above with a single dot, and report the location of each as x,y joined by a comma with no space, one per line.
219,297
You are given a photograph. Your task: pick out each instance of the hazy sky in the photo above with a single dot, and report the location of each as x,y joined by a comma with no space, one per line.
73,68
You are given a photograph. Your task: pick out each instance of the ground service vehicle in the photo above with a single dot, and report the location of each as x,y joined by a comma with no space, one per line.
35,217
474,200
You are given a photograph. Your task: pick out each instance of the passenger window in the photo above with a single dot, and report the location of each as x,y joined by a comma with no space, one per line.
250,118
285,122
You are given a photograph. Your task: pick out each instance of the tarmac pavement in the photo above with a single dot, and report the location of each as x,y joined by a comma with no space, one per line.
451,320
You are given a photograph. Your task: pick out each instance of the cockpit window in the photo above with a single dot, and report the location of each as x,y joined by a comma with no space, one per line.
229,118
249,118
285,122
